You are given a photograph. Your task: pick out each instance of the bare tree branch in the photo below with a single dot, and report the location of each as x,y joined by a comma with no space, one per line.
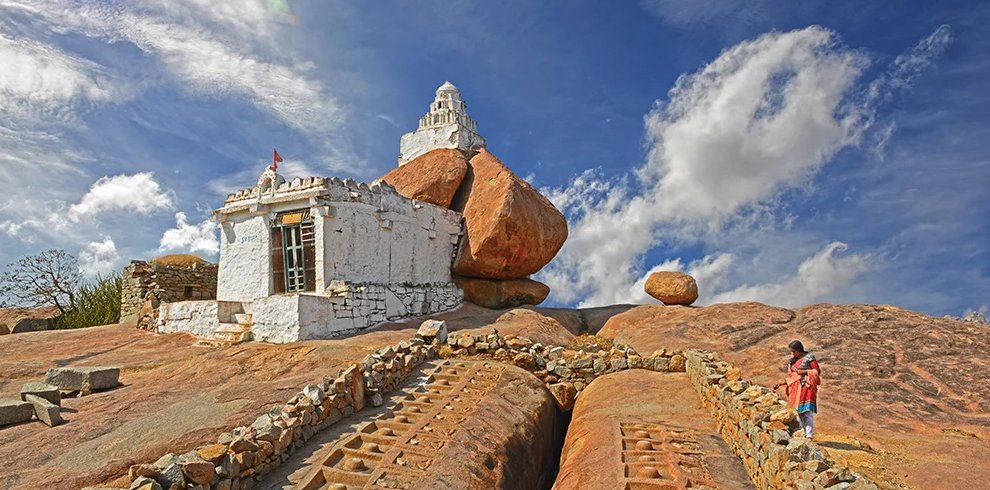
47,279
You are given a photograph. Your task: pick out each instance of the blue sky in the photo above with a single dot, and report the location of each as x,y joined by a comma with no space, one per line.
785,152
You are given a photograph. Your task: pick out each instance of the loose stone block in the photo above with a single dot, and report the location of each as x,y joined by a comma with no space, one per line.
44,390
83,379
15,411
45,410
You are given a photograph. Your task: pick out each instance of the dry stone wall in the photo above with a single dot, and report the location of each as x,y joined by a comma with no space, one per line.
758,425
146,286
240,458
566,372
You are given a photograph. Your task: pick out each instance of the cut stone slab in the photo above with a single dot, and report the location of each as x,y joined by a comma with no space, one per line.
45,410
83,379
44,390
15,411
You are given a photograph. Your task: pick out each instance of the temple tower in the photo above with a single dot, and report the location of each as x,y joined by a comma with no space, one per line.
446,125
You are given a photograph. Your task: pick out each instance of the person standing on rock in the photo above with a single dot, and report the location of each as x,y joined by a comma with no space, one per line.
803,378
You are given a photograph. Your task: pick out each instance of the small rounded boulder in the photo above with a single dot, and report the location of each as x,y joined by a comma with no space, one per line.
672,288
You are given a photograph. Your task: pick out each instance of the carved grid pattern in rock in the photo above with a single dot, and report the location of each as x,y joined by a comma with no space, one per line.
398,448
657,457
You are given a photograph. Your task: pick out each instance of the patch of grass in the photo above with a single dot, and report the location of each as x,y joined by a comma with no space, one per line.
591,343
97,303
179,260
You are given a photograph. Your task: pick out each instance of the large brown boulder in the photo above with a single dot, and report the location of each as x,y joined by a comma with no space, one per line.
497,294
512,230
672,288
433,177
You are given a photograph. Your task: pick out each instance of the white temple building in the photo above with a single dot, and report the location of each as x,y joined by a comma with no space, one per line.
446,125
318,257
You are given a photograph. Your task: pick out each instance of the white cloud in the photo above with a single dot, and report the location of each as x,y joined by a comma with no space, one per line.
760,120
138,193
99,258
214,49
200,237
764,115
816,279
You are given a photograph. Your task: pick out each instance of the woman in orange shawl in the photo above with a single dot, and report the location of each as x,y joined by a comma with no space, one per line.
803,378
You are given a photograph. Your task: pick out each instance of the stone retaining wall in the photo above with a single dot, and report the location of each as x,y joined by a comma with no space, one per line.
145,286
241,457
566,372
758,425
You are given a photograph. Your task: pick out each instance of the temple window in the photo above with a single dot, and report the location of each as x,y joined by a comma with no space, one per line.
293,252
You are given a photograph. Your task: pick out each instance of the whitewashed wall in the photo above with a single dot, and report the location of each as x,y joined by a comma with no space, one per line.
404,244
418,142
245,262
200,318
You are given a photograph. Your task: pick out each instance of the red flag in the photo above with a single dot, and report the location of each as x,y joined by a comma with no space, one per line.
275,159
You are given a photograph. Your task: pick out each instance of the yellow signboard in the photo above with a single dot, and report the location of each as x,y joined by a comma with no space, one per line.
292,219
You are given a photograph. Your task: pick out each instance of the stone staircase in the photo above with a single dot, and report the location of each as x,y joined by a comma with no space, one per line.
235,327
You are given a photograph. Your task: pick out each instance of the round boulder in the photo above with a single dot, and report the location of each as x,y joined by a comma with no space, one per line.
672,288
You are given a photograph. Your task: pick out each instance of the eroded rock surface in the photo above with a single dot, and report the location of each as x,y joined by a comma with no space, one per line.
433,177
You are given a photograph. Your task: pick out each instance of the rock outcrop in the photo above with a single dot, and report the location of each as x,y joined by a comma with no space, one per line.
512,230
672,288
498,294
433,177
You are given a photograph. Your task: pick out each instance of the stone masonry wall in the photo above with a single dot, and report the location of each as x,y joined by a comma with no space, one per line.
758,425
146,285
566,372
240,458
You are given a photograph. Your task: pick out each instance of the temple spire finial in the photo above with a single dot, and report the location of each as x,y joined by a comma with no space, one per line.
446,125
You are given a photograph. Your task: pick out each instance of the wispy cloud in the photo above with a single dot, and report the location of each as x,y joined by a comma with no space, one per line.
42,81
214,50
